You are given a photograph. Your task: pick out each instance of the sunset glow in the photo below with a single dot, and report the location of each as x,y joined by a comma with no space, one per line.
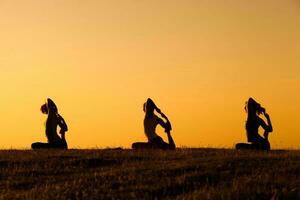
99,60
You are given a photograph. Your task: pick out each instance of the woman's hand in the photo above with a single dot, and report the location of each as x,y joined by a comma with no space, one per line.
266,135
62,131
51,106
266,115
164,116
158,110
269,126
168,127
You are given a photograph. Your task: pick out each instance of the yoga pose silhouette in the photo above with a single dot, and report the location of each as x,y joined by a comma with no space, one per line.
253,123
150,123
53,120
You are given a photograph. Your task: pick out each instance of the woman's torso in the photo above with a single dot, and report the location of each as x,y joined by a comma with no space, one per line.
150,123
252,126
51,129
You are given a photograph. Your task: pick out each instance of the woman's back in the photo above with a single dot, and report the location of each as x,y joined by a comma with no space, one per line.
252,126
51,129
150,123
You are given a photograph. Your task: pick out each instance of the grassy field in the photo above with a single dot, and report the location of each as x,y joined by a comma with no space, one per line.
127,174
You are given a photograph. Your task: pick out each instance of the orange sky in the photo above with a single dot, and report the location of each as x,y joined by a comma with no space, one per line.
100,59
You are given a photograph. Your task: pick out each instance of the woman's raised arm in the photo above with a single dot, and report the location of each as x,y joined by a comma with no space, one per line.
62,124
51,106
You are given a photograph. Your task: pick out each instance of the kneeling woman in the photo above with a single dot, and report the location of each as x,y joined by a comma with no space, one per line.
150,123
53,120
253,123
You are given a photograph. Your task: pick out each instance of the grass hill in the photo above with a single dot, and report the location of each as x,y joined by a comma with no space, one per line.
151,174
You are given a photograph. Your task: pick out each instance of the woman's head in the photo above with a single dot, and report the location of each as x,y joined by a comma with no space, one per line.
252,107
44,109
150,106
49,107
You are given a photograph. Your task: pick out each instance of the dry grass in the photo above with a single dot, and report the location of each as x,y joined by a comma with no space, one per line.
127,174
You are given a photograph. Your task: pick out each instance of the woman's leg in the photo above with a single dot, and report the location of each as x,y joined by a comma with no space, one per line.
261,143
59,145
171,141
257,143
40,145
63,144
265,145
158,143
244,146
142,145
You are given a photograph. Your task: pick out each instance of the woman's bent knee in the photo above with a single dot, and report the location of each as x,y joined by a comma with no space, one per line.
39,145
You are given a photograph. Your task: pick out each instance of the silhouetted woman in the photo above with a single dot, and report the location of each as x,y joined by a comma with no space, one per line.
150,123
53,120
253,123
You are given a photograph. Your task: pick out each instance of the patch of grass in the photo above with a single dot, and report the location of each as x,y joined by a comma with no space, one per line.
151,174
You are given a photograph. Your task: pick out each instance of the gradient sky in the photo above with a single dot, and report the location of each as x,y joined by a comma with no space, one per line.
100,59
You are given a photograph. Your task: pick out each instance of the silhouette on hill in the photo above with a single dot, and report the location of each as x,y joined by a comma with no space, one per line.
53,120
150,123
253,123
